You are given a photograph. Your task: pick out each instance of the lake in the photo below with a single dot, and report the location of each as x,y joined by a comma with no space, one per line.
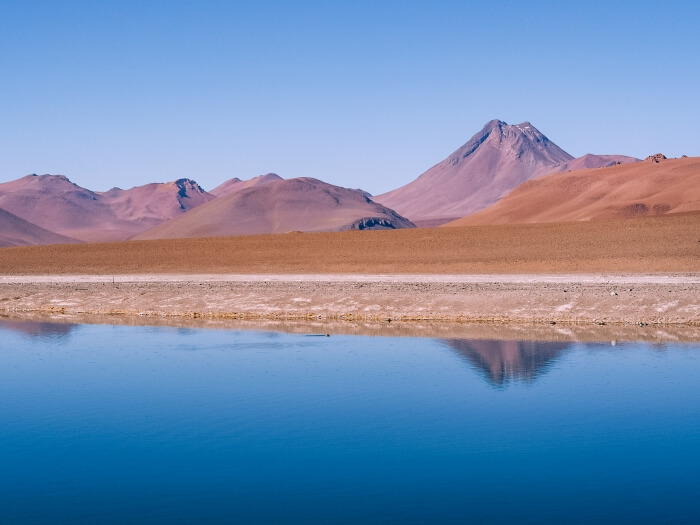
118,424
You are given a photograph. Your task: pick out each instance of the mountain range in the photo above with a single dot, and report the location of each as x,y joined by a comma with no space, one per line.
281,206
502,167
493,162
56,204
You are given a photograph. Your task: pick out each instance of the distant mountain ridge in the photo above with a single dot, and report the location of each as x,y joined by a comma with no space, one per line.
236,184
52,209
300,204
488,167
55,203
153,203
591,161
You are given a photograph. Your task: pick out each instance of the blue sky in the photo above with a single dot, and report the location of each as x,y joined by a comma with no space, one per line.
360,94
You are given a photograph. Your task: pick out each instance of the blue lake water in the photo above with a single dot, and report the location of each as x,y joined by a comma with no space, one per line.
118,424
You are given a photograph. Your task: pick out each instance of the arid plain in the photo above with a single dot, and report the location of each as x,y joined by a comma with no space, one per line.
615,272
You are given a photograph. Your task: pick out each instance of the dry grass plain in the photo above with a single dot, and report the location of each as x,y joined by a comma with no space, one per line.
649,245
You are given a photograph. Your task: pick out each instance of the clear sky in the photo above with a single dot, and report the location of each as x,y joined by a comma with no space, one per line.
362,94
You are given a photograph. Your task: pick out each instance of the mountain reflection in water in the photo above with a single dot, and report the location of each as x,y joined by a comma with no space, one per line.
505,361
40,329
500,362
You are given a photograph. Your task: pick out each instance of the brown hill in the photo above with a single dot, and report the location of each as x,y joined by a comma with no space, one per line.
493,162
18,232
302,204
633,190
55,203
236,184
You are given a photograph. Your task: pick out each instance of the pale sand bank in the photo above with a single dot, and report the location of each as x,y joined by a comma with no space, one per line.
525,298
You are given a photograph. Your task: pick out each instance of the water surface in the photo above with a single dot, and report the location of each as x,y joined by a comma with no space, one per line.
116,424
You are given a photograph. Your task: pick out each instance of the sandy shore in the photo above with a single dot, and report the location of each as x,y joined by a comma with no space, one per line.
671,299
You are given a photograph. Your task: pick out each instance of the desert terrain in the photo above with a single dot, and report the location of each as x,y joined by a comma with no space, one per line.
543,237
641,189
581,298
628,271
648,245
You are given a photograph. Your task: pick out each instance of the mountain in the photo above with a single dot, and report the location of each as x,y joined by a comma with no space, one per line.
154,203
43,329
590,161
236,184
630,190
493,162
55,203
302,204
18,232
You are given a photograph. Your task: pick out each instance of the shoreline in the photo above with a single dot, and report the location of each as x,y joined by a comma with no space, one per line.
37,323
568,299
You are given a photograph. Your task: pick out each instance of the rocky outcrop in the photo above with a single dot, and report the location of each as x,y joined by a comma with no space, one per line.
655,158
379,223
